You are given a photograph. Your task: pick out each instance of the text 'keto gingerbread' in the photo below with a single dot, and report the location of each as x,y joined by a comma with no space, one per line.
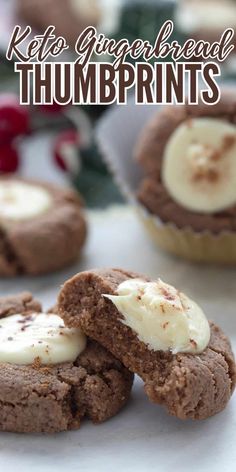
163,73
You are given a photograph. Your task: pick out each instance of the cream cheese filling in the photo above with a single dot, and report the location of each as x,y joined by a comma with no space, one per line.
162,317
39,336
22,201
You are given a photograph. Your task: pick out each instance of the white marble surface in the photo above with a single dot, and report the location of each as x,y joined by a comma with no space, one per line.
142,437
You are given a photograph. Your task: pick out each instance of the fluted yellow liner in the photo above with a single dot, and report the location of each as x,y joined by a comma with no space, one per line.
199,247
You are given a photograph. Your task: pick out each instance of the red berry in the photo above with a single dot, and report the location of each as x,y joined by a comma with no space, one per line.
54,108
66,151
9,159
14,118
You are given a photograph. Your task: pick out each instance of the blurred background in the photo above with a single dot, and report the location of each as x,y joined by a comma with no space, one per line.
57,143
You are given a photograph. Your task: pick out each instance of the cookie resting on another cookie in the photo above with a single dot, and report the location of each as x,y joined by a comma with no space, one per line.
42,227
157,332
39,394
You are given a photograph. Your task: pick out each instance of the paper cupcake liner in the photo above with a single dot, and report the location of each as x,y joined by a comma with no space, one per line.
117,134
193,246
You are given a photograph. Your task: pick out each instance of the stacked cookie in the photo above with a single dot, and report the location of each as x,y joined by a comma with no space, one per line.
79,359
157,332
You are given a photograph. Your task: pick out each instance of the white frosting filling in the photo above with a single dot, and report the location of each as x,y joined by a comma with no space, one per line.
26,338
21,201
161,316
199,165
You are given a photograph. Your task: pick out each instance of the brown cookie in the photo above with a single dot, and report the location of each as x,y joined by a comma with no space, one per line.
190,386
53,398
45,241
68,20
149,152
